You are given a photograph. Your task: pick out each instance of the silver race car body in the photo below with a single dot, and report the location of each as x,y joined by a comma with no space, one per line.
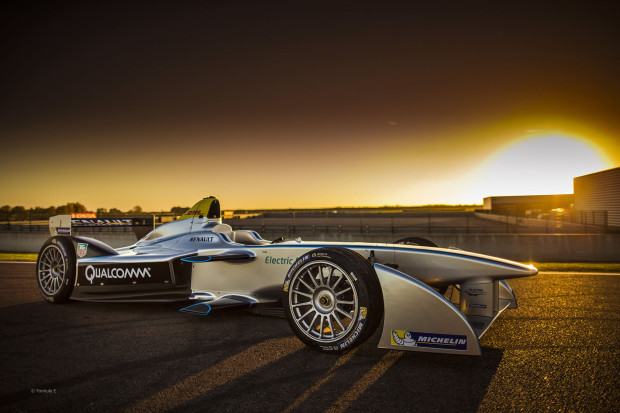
334,294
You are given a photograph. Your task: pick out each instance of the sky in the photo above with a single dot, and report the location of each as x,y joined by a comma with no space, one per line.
279,104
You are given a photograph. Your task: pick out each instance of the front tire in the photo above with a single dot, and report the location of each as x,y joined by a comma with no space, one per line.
332,299
56,268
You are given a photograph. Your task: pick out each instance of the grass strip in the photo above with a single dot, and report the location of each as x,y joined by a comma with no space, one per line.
18,256
578,266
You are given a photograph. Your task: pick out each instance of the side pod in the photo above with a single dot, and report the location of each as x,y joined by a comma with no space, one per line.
417,318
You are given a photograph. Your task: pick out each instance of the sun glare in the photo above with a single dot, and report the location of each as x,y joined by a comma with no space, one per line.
539,163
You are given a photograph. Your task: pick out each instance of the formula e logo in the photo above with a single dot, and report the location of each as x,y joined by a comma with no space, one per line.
114,272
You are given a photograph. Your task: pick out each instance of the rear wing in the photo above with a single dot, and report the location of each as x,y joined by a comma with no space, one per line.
208,208
63,224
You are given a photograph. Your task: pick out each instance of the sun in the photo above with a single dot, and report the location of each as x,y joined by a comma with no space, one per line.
539,163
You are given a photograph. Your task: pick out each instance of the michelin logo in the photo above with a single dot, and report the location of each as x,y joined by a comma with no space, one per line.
358,329
92,273
406,340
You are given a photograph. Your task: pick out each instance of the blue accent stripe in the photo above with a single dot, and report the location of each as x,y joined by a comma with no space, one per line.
184,310
197,258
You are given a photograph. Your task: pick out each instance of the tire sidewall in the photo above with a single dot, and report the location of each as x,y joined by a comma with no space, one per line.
370,299
67,250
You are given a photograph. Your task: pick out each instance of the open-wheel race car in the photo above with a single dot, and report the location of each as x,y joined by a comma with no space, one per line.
333,294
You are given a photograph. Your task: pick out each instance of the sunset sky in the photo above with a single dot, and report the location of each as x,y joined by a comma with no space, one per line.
277,104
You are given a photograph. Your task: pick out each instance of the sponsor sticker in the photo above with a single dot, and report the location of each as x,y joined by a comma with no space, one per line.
320,255
475,291
472,305
201,239
93,272
62,247
61,230
122,274
291,270
111,221
82,250
83,215
429,340
285,260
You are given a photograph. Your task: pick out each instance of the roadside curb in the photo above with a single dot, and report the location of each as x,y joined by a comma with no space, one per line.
18,262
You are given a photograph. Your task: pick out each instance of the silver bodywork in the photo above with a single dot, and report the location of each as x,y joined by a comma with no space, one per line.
239,266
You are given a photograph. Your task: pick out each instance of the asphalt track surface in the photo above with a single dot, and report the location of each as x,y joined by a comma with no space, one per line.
557,352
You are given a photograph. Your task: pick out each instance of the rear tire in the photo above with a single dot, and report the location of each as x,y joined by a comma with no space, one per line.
332,299
422,242
56,268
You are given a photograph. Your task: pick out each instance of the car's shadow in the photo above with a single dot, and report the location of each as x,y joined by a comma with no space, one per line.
111,356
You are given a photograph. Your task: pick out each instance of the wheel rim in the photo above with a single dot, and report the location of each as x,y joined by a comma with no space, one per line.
52,270
323,301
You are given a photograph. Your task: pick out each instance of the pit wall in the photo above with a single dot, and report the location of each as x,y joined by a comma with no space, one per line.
519,247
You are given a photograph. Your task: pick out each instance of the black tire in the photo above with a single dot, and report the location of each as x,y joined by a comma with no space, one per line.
422,242
56,268
332,299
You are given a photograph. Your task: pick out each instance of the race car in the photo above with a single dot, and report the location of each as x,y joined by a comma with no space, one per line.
333,294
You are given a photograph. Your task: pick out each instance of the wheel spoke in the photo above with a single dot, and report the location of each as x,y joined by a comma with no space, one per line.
312,322
344,313
343,291
302,304
307,286
321,326
312,277
331,327
339,279
306,313
329,276
304,294
338,321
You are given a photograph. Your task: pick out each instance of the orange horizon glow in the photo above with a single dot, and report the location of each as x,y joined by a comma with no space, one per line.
388,175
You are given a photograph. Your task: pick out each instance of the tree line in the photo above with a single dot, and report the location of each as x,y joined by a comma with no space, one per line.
20,213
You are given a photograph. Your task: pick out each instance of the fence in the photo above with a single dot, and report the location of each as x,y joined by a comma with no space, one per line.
397,223
410,223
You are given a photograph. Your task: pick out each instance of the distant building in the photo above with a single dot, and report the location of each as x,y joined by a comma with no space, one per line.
527,205
597,198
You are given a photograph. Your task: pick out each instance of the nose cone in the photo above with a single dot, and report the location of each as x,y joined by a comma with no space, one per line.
532,270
